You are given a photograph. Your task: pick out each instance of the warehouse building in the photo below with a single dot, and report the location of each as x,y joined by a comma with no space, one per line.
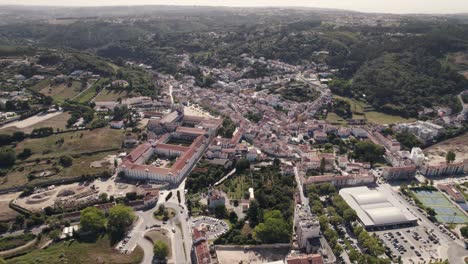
375,211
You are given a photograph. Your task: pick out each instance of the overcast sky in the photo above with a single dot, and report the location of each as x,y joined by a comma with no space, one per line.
387,6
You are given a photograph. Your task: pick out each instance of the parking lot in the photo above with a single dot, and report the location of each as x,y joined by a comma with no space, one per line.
413,245
212,226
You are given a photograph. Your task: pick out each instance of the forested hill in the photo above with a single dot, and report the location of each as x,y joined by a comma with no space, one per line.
395,61
404,83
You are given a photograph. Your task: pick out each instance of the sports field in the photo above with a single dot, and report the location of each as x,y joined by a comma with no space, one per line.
446,212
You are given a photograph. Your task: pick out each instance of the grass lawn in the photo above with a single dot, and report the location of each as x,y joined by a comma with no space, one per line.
335,119
236,186
79,252
62,92
356,105
88,94
160,235
74,143
382,119
41,85
160,216
111,95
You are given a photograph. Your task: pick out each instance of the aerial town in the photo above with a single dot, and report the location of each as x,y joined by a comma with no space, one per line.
132,164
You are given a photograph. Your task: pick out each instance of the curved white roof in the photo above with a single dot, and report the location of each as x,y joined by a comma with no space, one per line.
376,207
386,215
371,197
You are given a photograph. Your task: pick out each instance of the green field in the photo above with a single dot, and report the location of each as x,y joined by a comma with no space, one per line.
335,119
77,252
236,186
73,143
88,94
111,95
62,92
362,110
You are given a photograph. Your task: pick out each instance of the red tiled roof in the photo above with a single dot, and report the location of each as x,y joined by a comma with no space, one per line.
202,252
172,147
190,130
305,259
138,151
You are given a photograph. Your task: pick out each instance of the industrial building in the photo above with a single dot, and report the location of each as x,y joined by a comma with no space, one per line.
374,210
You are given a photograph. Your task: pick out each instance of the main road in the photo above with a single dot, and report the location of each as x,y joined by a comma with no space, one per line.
177,227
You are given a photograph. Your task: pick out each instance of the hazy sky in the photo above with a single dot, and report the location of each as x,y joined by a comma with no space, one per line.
387,6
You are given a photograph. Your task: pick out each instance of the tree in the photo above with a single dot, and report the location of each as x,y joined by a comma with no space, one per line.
54,234
26,153
18,135
349,215
161,250
464,231
66,161
242,165
431,211
253,213
7,157
92,220
408,140
273,230
5,226
103,197
120,219
233,217
220,211
322,166
450,157
368,151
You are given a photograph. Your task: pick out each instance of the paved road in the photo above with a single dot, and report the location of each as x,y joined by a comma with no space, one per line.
178,227
304,200
225,177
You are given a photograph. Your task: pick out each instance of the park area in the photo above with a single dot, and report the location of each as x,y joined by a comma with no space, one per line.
75,251
446,212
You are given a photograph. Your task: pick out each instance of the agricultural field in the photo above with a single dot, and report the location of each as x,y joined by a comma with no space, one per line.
111,95
75,251
90,92
71,143
362,110
335,119
62,92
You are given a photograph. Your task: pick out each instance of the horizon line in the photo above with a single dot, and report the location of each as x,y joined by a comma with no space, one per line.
234,6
